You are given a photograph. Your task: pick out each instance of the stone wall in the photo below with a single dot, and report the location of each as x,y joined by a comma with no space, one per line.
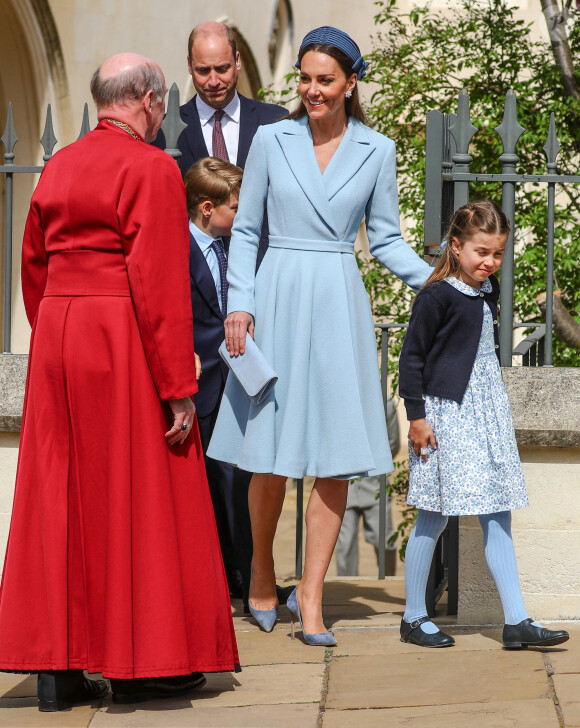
546,410
12,381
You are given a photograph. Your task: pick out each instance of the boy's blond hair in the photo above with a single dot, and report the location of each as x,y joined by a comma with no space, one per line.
211,179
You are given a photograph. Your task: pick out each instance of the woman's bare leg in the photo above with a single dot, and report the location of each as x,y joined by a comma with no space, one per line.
323,518
265,500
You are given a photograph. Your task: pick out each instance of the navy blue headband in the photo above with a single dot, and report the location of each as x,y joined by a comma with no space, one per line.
327,35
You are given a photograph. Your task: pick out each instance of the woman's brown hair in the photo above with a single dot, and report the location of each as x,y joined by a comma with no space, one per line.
352,105
480,216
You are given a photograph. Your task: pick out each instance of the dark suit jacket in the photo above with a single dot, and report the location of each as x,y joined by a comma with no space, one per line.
208,331
192,145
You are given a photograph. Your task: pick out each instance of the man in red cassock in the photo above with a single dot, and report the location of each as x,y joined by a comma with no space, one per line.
113,563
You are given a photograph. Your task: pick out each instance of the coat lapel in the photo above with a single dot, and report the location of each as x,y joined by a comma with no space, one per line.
201,275
193,133
355,148
296,144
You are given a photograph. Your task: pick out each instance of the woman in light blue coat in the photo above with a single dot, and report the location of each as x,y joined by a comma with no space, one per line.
319,173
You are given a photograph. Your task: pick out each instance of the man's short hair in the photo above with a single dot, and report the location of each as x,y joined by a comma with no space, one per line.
211,179
130,85
228,32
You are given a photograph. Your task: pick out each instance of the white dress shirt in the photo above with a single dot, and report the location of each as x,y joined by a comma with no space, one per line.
204,241
230,125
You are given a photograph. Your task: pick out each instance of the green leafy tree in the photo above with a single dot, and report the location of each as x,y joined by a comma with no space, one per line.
421,60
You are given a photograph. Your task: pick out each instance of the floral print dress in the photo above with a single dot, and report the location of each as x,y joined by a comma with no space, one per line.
476,467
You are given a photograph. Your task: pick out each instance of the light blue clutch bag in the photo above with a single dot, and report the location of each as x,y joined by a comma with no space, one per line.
251,370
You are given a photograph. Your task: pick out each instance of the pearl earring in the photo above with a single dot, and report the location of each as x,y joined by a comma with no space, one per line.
348,94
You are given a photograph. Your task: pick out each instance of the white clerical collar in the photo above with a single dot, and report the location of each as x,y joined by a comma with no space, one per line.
206,112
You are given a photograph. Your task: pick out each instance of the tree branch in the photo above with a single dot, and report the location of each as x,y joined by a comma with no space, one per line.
567,328
560,47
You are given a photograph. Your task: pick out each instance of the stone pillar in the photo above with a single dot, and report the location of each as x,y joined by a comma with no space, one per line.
546,410
12,381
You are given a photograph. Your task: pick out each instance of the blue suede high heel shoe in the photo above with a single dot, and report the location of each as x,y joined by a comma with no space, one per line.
266,618
316,638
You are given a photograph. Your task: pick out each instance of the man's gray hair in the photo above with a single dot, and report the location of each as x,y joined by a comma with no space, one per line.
131,85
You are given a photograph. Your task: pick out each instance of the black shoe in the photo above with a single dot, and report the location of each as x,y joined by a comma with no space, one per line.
60,689
283,592
134,691
524,634
412,632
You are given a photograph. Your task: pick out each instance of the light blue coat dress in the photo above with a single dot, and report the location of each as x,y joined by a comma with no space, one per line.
313,321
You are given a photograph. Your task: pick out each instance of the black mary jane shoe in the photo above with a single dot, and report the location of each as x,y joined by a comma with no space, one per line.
135,691
60,689
525,634
412,632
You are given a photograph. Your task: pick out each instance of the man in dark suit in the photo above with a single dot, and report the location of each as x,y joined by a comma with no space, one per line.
214,63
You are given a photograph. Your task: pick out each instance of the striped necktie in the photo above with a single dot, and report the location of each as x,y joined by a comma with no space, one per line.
218,143
223,266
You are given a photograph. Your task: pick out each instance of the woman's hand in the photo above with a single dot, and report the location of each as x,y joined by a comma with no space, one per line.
197,366
235,327
420,435
183,414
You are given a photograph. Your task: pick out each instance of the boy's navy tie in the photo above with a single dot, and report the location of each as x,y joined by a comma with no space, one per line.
223,266
218,143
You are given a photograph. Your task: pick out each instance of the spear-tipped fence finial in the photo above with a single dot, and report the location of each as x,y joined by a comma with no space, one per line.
552,146
48,139
462,130
85,126
9,137
172,125
509,132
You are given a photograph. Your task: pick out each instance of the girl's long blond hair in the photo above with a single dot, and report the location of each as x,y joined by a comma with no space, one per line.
480,216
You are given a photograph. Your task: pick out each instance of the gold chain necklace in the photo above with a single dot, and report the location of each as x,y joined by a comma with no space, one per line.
125,127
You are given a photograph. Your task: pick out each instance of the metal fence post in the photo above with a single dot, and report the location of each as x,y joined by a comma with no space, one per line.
48,139
551,149
9,140
383,478
85,124
172,124
509,131
462,131
434,142
299,525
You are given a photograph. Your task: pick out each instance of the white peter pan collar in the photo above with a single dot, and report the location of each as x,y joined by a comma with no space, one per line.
467,289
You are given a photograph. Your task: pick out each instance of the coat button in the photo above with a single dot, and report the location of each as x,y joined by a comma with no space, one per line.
497,346
495,323
480,294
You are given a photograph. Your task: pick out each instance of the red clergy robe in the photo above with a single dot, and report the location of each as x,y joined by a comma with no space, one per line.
113,563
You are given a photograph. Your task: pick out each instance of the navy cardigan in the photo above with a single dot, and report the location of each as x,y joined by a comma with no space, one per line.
441,344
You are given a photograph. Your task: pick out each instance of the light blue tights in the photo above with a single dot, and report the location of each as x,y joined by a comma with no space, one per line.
499,554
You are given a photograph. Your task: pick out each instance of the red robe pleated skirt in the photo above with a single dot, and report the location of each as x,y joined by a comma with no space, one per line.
113,562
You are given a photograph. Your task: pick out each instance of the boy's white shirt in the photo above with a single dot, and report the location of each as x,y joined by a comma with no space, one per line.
204,241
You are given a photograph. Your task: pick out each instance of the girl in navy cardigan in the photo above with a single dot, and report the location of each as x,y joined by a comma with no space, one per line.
463,455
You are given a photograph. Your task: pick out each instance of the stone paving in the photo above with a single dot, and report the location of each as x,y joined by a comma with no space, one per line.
370,679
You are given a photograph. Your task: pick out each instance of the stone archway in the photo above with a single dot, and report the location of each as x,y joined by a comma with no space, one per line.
32,74
249,82
280,44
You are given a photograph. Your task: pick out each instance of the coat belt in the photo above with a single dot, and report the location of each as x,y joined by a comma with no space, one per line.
87,273
319,246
